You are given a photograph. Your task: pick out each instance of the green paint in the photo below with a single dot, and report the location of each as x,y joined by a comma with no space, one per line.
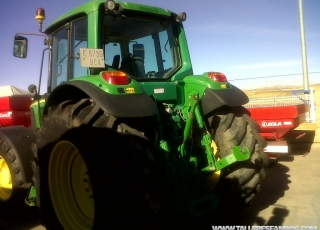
37,110
176,91
98,81
238,154
31,199
162,91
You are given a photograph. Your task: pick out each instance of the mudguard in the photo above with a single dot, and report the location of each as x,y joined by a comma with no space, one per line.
126,105
213,99
20,140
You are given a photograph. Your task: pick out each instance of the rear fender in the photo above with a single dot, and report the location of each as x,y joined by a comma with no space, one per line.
213,99
124,105
20,140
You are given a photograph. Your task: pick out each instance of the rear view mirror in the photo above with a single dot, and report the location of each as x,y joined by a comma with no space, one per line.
20,47
138,51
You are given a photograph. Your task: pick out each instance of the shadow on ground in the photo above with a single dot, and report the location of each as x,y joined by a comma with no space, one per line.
278,180
271,191
22,218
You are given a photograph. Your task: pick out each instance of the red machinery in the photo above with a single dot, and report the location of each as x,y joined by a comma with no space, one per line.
14,106
275,122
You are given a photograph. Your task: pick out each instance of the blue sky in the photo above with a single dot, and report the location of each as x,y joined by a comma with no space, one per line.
241,38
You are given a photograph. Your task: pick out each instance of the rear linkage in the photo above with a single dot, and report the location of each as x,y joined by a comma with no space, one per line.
238,153
190,168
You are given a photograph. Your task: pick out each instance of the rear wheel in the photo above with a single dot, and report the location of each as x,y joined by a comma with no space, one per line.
72,195
93,169
241,182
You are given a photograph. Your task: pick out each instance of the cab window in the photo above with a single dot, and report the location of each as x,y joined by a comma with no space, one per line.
66,43
140,47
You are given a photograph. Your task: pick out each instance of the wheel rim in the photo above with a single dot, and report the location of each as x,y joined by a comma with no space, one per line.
5,180
70,187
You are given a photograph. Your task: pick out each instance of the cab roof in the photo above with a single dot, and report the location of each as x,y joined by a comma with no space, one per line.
94,5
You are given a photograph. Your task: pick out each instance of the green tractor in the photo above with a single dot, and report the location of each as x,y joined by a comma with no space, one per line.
126,134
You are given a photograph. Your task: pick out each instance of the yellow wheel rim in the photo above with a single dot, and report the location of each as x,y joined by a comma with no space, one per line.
213,179
5,180
70,187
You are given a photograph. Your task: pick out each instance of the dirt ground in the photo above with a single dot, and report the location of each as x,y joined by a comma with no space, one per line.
291,195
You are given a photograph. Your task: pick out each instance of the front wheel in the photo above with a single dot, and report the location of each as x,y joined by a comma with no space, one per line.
93,169
15,169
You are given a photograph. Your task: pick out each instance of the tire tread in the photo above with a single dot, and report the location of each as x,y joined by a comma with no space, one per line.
236,127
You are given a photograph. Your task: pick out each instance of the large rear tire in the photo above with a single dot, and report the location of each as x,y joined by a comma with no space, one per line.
93,169
241,182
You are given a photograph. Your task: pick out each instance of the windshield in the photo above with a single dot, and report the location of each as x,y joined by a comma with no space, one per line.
141,47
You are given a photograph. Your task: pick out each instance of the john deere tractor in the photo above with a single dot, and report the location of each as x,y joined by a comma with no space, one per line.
127,134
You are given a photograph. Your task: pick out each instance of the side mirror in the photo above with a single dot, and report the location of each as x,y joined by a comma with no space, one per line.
32,88
20,47
138,51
